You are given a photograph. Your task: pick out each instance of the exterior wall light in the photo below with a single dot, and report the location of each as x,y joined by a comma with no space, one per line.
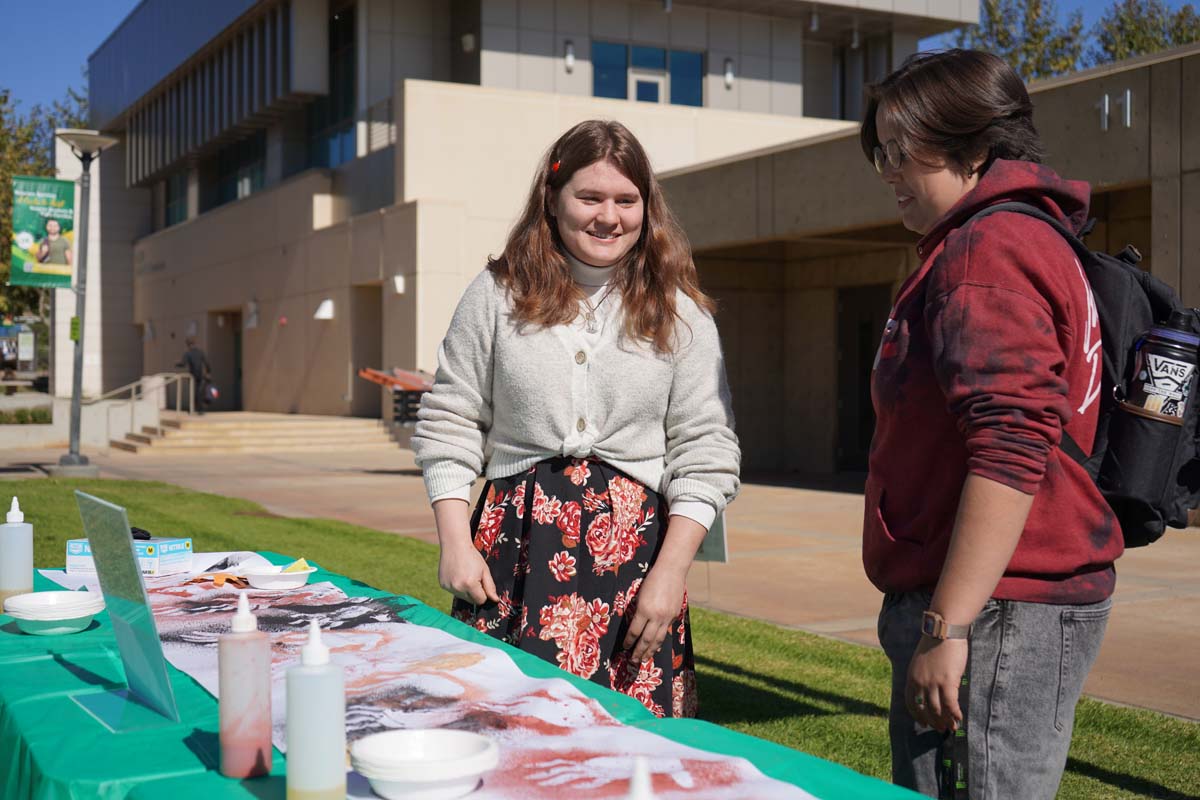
569,56
729,73
398,284
814,21
468,43
324,310
854,39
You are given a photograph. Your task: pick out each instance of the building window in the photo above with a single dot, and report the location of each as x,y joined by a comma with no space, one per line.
241,168
649,74
610,70
331,136
687,78
177,205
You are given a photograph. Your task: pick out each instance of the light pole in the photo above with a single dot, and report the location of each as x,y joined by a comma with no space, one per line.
87,146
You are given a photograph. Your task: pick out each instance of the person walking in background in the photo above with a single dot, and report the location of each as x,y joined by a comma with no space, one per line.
994,549
583,371
196,363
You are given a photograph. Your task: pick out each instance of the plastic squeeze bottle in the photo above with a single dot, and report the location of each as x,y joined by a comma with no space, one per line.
16,555
316,724
244,664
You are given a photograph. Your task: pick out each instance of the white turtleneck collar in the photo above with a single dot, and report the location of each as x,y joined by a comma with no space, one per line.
586,275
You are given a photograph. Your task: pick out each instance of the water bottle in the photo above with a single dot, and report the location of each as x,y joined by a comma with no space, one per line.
16,554
316,724
244,696
1163,371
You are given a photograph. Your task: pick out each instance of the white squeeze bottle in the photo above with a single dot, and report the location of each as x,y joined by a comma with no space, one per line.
244,705
16,555
316,724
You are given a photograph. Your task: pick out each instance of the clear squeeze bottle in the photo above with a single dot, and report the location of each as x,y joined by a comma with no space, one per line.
244,663
316,724
16,555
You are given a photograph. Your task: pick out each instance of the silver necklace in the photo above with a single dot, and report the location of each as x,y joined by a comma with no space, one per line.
592,325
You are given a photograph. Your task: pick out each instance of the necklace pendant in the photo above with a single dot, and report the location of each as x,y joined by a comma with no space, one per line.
592,326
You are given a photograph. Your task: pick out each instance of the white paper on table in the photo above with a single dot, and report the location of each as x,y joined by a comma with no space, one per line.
554,740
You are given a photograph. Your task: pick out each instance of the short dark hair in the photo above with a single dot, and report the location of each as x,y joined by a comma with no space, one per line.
957,105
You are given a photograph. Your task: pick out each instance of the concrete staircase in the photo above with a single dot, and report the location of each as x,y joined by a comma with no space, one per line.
250,431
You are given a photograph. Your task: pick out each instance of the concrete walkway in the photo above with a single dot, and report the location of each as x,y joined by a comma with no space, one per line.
795,556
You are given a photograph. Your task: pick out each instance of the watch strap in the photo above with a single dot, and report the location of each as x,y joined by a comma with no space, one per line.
934,626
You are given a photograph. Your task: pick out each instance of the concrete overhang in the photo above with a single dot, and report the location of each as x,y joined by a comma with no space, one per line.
823,187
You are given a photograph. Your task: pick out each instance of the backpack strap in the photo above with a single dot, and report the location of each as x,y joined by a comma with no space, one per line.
1068,445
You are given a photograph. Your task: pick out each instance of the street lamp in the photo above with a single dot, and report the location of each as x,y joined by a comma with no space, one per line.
87,146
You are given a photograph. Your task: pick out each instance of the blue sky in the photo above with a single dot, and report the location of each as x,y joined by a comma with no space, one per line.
73,29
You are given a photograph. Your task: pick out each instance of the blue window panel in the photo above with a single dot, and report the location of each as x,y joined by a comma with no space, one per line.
610,70
647,91
649,58
687,78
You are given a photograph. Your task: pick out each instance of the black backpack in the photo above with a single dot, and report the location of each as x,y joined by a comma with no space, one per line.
1147,470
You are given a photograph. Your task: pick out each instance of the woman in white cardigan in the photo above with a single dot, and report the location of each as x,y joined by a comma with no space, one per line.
582,371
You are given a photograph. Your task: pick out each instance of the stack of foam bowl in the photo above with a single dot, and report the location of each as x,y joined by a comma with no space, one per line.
54,613
424,764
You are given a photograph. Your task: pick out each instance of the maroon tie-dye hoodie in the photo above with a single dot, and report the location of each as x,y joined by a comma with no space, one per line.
992,349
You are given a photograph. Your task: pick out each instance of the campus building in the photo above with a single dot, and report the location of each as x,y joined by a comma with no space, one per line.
364,158
306,186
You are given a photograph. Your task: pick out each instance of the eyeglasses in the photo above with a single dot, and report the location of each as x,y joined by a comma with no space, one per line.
889,154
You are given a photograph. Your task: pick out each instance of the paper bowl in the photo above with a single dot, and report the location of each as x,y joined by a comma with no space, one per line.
277,580
53,605
53,627
424,764
53,613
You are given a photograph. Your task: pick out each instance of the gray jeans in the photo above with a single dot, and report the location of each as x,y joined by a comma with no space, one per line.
1028,662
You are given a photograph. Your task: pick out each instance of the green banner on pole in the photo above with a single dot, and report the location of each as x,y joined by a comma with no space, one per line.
74,329
43,246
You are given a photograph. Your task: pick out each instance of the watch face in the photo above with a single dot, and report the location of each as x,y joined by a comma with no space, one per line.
927,626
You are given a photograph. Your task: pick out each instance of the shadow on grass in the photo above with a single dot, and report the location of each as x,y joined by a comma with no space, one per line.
732,694
1130,783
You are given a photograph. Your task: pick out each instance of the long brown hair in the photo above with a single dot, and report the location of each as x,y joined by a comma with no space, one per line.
964,106
533,267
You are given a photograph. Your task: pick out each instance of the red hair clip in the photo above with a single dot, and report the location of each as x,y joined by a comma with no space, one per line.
554,166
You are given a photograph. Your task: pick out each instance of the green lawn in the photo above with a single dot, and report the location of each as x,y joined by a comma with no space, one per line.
814,694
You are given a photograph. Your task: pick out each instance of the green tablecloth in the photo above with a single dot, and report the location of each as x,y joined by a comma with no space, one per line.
51,749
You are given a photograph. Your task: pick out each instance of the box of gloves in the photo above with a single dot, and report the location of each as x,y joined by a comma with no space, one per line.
156,556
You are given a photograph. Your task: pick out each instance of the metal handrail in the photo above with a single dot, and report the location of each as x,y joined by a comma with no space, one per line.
137,388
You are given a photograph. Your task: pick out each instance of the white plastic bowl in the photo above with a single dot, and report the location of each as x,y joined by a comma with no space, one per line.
424,764
53,605
277,580
53,627
53,613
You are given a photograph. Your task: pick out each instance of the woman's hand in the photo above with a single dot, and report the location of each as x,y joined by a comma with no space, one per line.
934,677
657,604
463,573
461,569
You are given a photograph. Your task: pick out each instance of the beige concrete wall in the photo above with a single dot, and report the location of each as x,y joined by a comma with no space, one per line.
266,248
403,39
524,43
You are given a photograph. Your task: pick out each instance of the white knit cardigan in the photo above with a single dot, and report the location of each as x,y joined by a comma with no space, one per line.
507,396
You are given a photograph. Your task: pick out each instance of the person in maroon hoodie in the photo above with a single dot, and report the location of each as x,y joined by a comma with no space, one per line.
993,548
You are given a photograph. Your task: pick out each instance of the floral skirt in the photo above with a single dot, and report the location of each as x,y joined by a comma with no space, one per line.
568,544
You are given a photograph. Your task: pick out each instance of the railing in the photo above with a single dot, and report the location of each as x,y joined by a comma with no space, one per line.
139,391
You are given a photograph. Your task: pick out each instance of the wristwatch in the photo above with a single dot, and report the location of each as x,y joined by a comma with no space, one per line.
935,627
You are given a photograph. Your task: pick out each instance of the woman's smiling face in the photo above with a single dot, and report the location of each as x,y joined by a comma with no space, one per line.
599,213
